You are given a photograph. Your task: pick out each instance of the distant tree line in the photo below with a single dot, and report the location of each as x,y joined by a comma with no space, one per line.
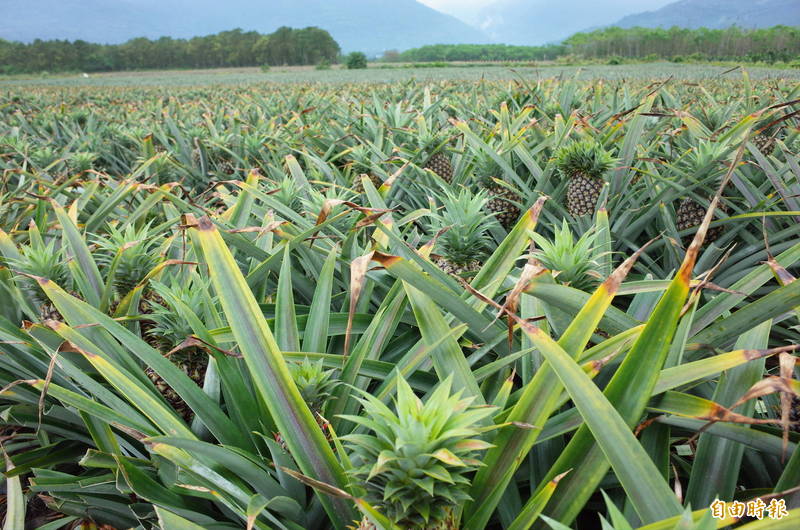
286,46
478,52
779,43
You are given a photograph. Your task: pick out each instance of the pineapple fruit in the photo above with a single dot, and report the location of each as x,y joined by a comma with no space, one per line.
690,214
503,200
415,462
464,229
584,163
573,262
440,164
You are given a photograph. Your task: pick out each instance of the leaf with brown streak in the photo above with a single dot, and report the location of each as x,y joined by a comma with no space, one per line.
358,276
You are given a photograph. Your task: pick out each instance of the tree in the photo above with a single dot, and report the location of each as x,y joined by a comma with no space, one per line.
356,61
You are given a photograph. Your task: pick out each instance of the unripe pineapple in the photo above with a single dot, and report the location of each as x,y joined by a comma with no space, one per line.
584,163
572,262
414,464
704,162
358,184
464,229
765,138
690,214
503,200
440,164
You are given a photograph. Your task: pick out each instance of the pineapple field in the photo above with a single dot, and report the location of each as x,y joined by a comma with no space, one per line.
565,302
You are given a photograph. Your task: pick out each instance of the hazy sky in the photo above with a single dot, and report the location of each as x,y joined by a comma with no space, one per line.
468,9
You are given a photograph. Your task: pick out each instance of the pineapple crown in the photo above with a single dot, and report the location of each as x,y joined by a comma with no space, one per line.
467,226
703,158
82,161
286,193
43,260
314,201
314,382
170,327
43,157
134,252
586,157
573,261
414,463
487,168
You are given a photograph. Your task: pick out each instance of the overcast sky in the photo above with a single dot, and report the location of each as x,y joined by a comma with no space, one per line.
468,9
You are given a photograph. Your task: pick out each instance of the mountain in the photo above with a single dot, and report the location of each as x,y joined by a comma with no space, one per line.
533,22
718,14
371,26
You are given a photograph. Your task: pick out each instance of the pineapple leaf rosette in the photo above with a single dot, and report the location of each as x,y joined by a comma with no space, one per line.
415,462
463,225
573,261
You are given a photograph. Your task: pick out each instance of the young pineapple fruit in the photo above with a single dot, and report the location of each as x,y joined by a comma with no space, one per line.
440,164
315,385
584,163
572,261
689,213
167,329
465,240
45,261
428,147
503,200
764,139
415,462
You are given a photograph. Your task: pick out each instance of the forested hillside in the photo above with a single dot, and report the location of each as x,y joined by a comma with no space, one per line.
229,48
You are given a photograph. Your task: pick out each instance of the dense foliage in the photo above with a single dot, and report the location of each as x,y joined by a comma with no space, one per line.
378,305
356,61
286,46
780,43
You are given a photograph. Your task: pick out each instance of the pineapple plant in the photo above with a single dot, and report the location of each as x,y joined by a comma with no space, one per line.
166,330
414,464
464,232
572,261
503,200
584,163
